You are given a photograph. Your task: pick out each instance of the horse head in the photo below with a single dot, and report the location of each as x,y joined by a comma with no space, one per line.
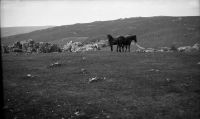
110,39
135,39
132,38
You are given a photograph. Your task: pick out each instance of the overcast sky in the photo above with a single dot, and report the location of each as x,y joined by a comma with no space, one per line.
64,12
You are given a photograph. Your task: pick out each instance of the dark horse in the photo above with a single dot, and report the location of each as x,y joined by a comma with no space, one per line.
119,41
128,40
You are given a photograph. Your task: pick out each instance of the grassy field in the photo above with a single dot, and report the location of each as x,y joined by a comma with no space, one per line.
135,86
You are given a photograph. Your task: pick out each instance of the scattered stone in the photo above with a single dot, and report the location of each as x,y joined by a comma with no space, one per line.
79,47
198,63
140,47
56,64
140,50
184,49
156,70
83,71
96,117
195,47
92,79
83,58
29,76
125,109
95,79
77,113
108,116
59,105
150,50
169,80
165,49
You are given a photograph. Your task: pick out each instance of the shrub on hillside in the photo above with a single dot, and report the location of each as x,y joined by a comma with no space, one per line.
17,50
55,48
17,45
4,49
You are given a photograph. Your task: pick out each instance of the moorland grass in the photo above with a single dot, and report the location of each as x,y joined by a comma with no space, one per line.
136,85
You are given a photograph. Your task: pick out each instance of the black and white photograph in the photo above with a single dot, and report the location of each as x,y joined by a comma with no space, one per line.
100,59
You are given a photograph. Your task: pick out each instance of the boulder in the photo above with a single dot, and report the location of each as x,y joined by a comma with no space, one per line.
79,47
102,43
78,44
150,50
196,46
140,50
55,64
68,47
165,49
185,49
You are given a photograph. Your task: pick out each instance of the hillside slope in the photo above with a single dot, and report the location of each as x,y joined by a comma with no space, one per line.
9,31
150,31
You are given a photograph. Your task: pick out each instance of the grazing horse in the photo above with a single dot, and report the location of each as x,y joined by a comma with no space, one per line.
128,40
119,41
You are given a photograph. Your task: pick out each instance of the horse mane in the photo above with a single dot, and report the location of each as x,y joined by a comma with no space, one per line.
110,37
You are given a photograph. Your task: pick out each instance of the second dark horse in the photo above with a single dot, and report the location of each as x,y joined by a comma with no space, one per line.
128,40
116,41
121,42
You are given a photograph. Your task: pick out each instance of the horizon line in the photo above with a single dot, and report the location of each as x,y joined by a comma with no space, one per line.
53,25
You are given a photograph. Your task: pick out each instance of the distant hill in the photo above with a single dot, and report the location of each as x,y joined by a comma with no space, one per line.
9,31
151,31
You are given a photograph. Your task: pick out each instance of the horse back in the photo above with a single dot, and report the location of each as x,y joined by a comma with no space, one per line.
121,40
130,38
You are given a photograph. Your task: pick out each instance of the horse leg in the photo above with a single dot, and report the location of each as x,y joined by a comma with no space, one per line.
126,48
117,48
111,47
129,48
122,48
